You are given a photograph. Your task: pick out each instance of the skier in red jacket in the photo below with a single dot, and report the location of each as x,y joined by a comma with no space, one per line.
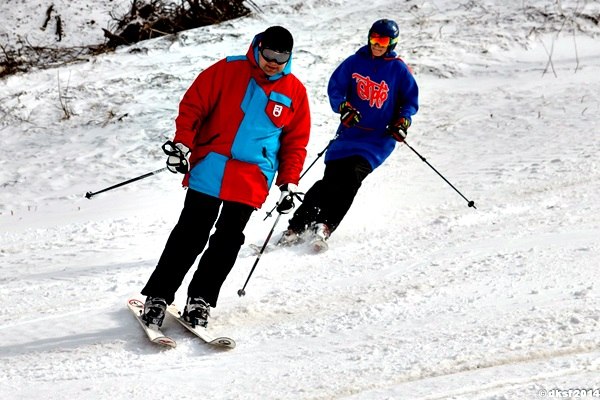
243,123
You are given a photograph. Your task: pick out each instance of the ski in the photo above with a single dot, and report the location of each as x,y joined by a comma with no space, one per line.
155,335
256,248
316,246
219,342
319,245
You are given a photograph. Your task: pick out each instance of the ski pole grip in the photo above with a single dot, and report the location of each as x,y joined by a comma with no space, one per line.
170,149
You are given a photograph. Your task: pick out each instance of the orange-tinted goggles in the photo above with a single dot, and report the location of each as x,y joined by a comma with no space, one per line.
383,41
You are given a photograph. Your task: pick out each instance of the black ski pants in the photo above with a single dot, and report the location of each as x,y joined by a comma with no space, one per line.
330,198
187,240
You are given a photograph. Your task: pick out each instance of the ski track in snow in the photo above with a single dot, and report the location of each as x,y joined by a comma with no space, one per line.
419,296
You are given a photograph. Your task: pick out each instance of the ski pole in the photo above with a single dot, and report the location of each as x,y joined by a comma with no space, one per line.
319,155
470,203
242,291
90,194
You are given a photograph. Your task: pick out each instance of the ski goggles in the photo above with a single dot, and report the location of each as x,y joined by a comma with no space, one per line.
275,56
383,41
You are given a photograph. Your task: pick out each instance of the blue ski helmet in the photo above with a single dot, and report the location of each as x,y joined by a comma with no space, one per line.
388,28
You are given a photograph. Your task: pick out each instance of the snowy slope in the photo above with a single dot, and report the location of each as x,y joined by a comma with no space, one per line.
419,297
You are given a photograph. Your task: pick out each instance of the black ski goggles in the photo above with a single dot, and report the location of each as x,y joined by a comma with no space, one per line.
275,56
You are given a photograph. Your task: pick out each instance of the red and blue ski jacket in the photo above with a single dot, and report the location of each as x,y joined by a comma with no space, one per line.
383,90
243,127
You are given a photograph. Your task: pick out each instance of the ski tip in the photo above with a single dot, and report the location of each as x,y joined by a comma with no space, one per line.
319,246
165,341
223,342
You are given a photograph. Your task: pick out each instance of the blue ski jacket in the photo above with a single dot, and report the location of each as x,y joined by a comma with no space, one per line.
383,90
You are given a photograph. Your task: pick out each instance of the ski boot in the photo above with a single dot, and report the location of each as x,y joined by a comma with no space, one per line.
154,311
196,312
289,238
321,233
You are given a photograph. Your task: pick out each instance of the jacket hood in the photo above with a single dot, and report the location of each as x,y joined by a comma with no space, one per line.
252,55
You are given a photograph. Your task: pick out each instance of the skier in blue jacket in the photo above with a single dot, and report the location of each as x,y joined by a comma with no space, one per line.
376,95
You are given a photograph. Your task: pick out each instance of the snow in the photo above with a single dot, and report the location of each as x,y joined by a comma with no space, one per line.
419,296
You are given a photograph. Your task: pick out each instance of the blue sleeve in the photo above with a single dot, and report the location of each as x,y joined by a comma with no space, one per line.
339,83
409,97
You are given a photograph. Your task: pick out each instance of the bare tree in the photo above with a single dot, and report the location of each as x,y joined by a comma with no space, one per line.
63,98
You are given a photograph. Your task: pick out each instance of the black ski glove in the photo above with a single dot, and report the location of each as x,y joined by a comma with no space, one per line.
179,157
286,200
398,130
349,115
